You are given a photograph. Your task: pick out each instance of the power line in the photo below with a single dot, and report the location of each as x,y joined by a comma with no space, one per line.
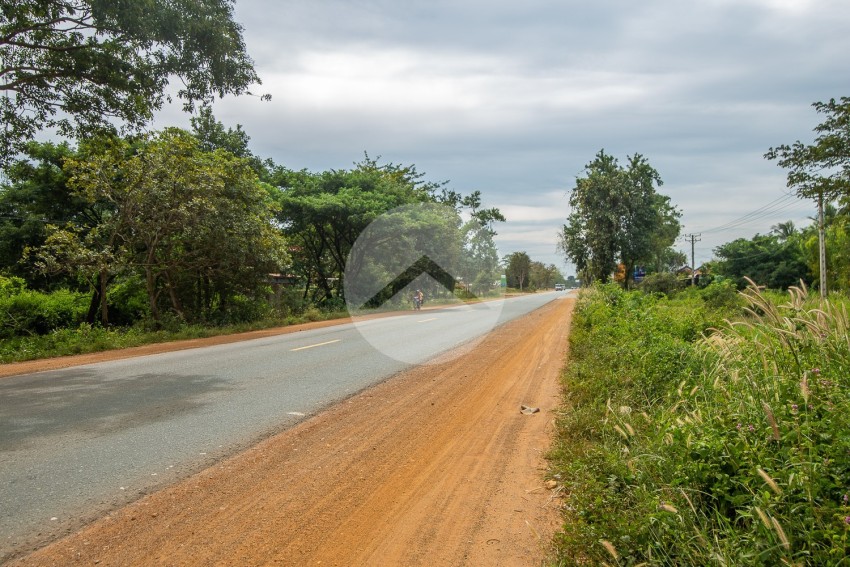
775,206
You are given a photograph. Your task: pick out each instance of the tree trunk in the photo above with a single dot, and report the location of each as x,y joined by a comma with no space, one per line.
93,305
175,301
104,313
150,285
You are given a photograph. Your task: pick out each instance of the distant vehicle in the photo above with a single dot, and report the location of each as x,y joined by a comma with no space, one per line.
560,287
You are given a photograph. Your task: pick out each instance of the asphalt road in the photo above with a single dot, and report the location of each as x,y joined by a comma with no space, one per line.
77,442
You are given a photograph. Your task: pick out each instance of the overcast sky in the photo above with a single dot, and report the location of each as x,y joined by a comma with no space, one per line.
515,98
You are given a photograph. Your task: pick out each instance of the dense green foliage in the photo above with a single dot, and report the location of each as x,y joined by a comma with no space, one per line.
77,65
618,217
525,274
821,169
776,261
323,215
193,225
179,228
28,312
37,194
168,221
518,269
687,440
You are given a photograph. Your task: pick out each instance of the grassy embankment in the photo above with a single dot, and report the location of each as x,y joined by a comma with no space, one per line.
689,440
84,338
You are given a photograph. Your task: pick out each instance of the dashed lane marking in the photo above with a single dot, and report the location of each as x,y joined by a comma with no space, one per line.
315,345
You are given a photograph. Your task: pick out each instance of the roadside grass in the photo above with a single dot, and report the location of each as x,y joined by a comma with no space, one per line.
95,338
701,431
51,316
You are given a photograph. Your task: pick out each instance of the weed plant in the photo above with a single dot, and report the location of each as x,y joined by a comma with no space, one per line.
695,433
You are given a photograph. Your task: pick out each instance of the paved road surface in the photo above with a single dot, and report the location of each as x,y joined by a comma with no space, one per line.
79,441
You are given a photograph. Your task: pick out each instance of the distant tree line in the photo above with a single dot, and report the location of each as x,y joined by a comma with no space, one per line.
526,274
618,221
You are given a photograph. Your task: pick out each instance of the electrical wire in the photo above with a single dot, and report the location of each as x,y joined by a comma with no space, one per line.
777,205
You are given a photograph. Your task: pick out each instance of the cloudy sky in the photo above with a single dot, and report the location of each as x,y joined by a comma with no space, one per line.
515,98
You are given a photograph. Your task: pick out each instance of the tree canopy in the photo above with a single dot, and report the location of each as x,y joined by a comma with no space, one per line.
195,225
772,260
617,215
80,65
518,269
821,168
37,195
325,213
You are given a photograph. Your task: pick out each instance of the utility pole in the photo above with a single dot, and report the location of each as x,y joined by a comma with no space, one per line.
694,238
821,248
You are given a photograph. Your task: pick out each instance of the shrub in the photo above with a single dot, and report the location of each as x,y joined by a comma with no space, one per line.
33,312
242,309
663,283
722,294
128,301
11,285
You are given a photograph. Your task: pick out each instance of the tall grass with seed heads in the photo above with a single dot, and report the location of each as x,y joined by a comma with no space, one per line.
700,435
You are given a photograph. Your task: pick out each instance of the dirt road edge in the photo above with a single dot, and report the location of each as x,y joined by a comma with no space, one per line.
435,466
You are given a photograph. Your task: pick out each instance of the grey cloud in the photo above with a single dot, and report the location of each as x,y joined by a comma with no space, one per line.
515,98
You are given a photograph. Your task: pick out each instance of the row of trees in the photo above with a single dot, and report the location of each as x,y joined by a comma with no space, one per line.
191,230
821,171
788,255
323,214
523,273
165,217
619,221
194,223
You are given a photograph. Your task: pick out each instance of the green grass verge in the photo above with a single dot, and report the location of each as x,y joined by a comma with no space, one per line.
93,338
689,440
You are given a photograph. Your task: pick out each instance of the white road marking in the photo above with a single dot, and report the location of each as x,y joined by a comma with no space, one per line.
315,345
426,320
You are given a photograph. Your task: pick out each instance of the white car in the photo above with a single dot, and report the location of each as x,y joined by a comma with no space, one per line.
560,287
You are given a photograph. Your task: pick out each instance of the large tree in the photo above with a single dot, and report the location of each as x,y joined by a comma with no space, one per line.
518,269
617,216
196,225
591,234
480,269
823,167
324,214
80,65
36,195
650,224
821,170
